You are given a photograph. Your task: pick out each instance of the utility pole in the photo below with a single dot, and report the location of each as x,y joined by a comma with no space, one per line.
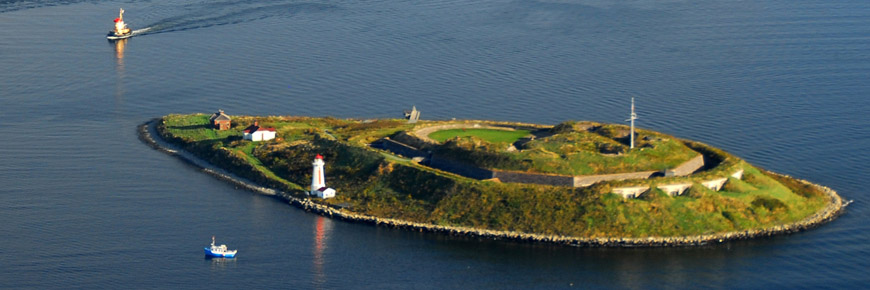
631,118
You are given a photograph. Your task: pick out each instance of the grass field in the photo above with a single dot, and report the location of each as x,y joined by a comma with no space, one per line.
489,135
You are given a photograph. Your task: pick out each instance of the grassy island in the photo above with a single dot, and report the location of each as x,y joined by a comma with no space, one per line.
373,181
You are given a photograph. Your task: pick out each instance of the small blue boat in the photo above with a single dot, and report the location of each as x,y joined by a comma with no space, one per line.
219,251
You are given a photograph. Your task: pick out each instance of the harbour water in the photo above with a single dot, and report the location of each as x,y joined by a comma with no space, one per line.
84,204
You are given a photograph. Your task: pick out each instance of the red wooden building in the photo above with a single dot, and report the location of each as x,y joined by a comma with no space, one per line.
220,120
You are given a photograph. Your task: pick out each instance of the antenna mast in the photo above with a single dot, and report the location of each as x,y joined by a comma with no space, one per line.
631,118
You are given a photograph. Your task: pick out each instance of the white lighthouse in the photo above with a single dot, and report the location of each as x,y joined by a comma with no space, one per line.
318,180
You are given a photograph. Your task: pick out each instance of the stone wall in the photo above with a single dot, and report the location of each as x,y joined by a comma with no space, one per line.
400,148
460,168
587,180
690,166
410,140
523,177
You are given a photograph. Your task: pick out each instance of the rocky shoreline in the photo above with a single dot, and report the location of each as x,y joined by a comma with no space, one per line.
832,210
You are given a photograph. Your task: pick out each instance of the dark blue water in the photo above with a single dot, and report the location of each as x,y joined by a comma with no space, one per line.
84,204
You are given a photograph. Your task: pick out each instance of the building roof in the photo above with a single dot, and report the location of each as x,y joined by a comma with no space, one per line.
219,116
255,128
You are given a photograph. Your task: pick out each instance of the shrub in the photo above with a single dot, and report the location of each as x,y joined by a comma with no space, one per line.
771,204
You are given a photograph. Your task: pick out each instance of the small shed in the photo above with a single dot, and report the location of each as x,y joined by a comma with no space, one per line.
257,133
220,120
325,192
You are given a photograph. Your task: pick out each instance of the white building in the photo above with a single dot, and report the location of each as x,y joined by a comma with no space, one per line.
318,180
257,133
324,193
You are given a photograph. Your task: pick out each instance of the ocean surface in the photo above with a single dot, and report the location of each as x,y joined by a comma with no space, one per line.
85,204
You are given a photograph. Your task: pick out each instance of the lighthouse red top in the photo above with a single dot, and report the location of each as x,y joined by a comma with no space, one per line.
318,156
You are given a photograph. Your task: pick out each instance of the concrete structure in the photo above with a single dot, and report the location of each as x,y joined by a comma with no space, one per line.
220,120
587,180
674,189
689,167
257,133
630,192
318,180
413,115
715,184
738,174
534,178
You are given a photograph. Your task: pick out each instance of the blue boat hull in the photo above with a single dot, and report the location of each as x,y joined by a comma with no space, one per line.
211,254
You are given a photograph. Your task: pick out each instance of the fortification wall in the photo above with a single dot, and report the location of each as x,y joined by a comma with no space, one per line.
400,148
523,177
690,166
408,144
410,140
587,180
460,168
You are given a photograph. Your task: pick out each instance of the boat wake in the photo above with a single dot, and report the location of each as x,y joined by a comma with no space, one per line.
218,14
140,31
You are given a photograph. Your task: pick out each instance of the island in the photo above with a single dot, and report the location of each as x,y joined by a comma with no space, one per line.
576,183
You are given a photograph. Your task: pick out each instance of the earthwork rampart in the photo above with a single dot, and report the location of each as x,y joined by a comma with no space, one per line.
423,133
409,144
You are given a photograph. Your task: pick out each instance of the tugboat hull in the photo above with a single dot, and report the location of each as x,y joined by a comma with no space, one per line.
113,36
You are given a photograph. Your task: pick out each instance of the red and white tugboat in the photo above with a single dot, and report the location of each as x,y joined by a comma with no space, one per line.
121,31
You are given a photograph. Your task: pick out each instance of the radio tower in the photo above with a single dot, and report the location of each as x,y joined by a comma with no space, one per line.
631,118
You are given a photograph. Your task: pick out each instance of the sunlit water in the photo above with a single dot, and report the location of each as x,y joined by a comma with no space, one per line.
84,204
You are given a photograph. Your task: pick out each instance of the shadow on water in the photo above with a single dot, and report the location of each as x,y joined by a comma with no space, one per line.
613,267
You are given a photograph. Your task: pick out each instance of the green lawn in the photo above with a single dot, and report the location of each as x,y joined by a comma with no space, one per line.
489,135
